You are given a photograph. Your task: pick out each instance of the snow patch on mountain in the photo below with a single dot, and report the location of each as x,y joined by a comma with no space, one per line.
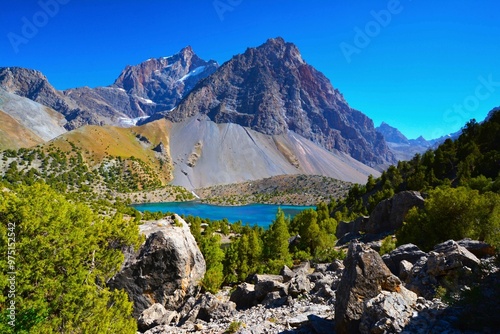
194,72
128,122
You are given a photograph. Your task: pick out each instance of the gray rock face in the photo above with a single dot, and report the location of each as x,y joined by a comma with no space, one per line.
208,308
387,217
265,284
166,269
155,315
42,121
165,81
272,90
367,284
448,261
153,86
389,214
449,256
244,296
478,248
388,312
407,252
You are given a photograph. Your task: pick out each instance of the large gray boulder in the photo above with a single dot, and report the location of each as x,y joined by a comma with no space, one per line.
166,269
208,308
389,214
365,294
244,296
155,315
449,255
448,262
480,249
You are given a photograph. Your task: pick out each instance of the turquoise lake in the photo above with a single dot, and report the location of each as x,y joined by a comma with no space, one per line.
253,214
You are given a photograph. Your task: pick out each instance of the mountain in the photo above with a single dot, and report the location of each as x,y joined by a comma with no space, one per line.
405,149
165,81
34,85
263,113
402,147
273,91
392,134
142,90
25,123
206,153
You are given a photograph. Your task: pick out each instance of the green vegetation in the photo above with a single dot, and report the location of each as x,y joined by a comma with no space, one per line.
77,172
461,180
249,250
233,327
64,253
453,213
276,250
388,244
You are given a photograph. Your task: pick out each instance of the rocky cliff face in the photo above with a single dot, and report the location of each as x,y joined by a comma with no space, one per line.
35,86
140,91
272,90
165,81
166,270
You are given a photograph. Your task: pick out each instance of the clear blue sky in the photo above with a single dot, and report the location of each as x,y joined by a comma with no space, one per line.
427,67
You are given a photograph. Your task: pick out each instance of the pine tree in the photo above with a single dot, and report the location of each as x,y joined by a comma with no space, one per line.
64,254
276,243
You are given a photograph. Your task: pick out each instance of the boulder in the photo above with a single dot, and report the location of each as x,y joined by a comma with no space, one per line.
302,268
405,268
478,248
316,276
367,281
323,288
353,227
274,299
155,315
450,255
265,284
300,284
287,274
244,296
209,307
263,278
166,269
389,214
388,312
448,263
407,252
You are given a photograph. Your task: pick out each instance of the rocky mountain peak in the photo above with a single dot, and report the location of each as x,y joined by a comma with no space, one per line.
23,82
272,90
166,80
187,52
391,134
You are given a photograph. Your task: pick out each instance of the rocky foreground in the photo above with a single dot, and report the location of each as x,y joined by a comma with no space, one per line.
401,292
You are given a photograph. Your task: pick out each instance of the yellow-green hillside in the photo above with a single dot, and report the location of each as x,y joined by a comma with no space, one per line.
134,145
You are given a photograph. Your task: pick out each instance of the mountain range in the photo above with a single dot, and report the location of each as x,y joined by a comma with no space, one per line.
262,113
404,148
